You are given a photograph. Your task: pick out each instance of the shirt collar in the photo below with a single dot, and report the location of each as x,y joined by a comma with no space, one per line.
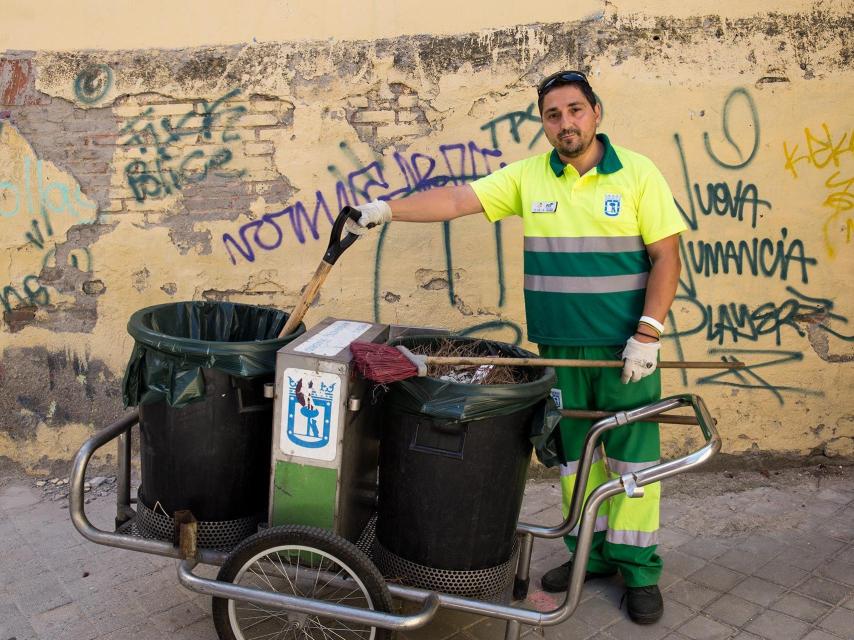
608,164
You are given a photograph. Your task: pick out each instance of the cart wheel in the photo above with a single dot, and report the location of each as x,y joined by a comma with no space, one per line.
307,562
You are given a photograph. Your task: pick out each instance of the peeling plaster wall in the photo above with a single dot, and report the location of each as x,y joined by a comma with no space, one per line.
135,177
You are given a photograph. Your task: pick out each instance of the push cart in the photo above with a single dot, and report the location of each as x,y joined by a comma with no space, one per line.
308,572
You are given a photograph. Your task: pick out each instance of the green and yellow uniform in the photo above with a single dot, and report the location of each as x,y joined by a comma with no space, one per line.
586,267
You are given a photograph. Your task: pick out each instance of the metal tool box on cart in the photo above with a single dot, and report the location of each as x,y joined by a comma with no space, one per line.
303,574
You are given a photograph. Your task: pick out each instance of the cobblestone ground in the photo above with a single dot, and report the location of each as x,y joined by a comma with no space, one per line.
747,555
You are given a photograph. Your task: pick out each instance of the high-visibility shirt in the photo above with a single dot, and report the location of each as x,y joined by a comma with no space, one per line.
585,260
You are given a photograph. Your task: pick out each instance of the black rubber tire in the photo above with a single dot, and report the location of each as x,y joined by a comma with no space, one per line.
343,551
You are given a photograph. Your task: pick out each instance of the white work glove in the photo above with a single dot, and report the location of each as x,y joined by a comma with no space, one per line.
373,213
639,360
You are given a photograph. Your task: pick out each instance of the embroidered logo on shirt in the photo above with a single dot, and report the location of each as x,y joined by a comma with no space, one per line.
541,206
612,204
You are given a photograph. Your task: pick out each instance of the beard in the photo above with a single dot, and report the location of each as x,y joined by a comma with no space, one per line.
571,147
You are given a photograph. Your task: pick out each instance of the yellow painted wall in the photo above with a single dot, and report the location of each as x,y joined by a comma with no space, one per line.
745,110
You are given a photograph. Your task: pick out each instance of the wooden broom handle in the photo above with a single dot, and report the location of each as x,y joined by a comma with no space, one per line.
596,415
307,298
555,362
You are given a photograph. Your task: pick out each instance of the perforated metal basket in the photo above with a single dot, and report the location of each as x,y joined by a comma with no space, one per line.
491,584
223,535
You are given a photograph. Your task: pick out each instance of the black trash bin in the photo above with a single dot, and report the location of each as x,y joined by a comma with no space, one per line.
197,373
453,463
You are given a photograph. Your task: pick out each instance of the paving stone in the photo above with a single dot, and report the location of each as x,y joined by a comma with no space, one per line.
146,630
762,546
705,548
781,573
681,564
740,560
571,630
733,610
839,529
489,629
840,622
672,537
675,614
778,626
597,612
704,628
838,571
691,594
818,634
802,558
66,622
39,594
825,590
13,624
667,579
839,496
445,624
178,617
756,590
716,577
822,508
819,542
800,607
627,630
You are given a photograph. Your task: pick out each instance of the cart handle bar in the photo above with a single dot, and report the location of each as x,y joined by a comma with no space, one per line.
82,523
231,591
646,413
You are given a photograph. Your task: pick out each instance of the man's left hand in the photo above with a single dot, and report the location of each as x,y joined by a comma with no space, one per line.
639,360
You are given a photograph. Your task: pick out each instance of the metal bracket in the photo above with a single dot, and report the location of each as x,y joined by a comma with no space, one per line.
621,417
630,485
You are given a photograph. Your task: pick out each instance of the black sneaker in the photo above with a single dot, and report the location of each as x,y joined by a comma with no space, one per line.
557,579
644,604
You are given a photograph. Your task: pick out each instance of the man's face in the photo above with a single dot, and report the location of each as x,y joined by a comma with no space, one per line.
569,121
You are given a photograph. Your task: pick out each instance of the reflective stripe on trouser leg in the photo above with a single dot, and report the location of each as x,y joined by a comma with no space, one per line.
630,541
632,537
598,474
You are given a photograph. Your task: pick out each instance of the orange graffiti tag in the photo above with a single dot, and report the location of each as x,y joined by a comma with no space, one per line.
821,150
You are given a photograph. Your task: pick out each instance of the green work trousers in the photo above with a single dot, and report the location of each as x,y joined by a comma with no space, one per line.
626,530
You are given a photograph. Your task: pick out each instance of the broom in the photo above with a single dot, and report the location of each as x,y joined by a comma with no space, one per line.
383,363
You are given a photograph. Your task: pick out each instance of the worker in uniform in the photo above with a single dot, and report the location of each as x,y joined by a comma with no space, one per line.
601,267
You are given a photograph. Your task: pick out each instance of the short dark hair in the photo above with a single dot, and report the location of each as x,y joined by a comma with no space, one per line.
562,79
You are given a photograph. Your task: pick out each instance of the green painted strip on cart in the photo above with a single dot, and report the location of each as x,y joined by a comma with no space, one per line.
303,494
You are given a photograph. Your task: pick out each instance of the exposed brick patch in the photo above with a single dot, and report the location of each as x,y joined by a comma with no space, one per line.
17,83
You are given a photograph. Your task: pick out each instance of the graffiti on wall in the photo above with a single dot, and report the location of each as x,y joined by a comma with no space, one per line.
163,167
761,248
50,205
824,151
777,255
93,83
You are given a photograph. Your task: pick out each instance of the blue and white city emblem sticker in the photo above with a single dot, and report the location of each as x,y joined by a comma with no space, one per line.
612,204
310,414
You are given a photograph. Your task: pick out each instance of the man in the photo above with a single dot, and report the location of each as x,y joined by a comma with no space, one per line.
601,269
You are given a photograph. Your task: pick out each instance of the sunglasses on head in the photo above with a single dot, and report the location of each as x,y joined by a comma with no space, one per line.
560,78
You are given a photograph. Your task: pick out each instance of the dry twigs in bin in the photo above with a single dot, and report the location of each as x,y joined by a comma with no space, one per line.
470,374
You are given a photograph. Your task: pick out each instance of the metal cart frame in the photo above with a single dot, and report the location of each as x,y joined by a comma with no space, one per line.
581,513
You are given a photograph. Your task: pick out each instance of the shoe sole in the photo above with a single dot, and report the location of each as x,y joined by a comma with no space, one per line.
646,619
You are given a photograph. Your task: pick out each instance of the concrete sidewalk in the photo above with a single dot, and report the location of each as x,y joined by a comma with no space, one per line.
747,555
